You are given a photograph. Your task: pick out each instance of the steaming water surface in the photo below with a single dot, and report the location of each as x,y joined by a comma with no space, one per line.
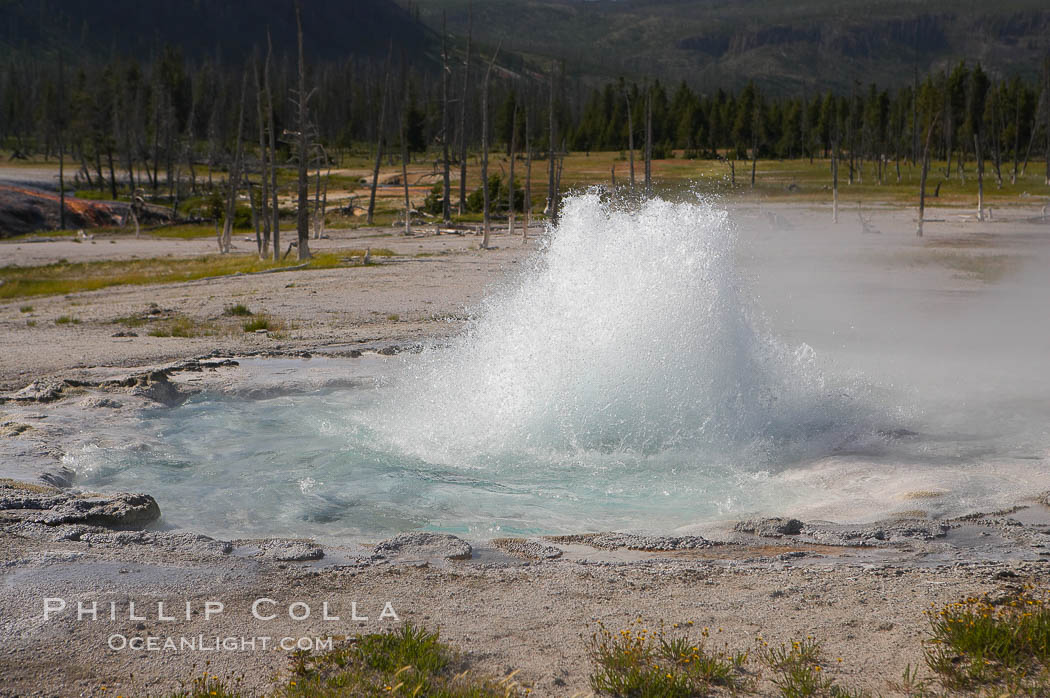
651,369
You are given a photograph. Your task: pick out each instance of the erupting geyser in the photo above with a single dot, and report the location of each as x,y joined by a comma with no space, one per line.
629,333
626,379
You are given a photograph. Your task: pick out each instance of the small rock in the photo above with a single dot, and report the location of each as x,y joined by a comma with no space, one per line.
100,401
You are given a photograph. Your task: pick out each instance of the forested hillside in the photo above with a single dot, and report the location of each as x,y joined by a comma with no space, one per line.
221,30
172,115
785,46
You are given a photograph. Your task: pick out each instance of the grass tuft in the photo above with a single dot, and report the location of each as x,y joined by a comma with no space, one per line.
986,641
239,310
640,663
67,320
407,662
259,322
798,670
182,326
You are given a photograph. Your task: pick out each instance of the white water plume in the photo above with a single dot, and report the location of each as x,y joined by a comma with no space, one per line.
628,332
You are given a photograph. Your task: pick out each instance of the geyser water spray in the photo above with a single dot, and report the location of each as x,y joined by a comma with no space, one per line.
628,332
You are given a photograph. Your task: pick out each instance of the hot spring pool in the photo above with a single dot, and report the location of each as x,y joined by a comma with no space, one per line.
636,375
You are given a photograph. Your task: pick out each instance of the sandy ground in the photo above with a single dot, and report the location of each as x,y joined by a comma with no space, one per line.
865,603
345,305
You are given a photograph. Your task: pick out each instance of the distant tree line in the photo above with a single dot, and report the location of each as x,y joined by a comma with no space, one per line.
168,125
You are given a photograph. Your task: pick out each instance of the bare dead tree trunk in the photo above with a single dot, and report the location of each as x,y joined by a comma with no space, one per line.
404,147
463,116
510,176
61,145
915,118
528,181
379,135
630,136
256,218
233,180
1046,115
317,203
1017,131
446,207
324,202
834,181
980,177
754,161
303,222
263,241
648,140
922,180
273,151
552,204
485,149
1046,126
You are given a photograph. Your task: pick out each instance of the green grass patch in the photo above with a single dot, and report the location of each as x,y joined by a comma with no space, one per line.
207,685
189,231
799,672
183,326
1002,642
259,322
406,662
67,320
640,663
239,310
25,308
64,277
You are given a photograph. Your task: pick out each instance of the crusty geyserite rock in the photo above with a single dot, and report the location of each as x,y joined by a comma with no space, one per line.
526,548
54,507
424,545
291,550
631,541
770,528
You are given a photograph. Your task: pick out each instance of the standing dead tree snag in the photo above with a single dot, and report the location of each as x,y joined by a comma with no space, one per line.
379,135
402,135
263,240
446,209
922,180
464,98
630,135
648,140
303,220
980,177
510,175
234,178
552,193
528,182
273,150
485,149
835,181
